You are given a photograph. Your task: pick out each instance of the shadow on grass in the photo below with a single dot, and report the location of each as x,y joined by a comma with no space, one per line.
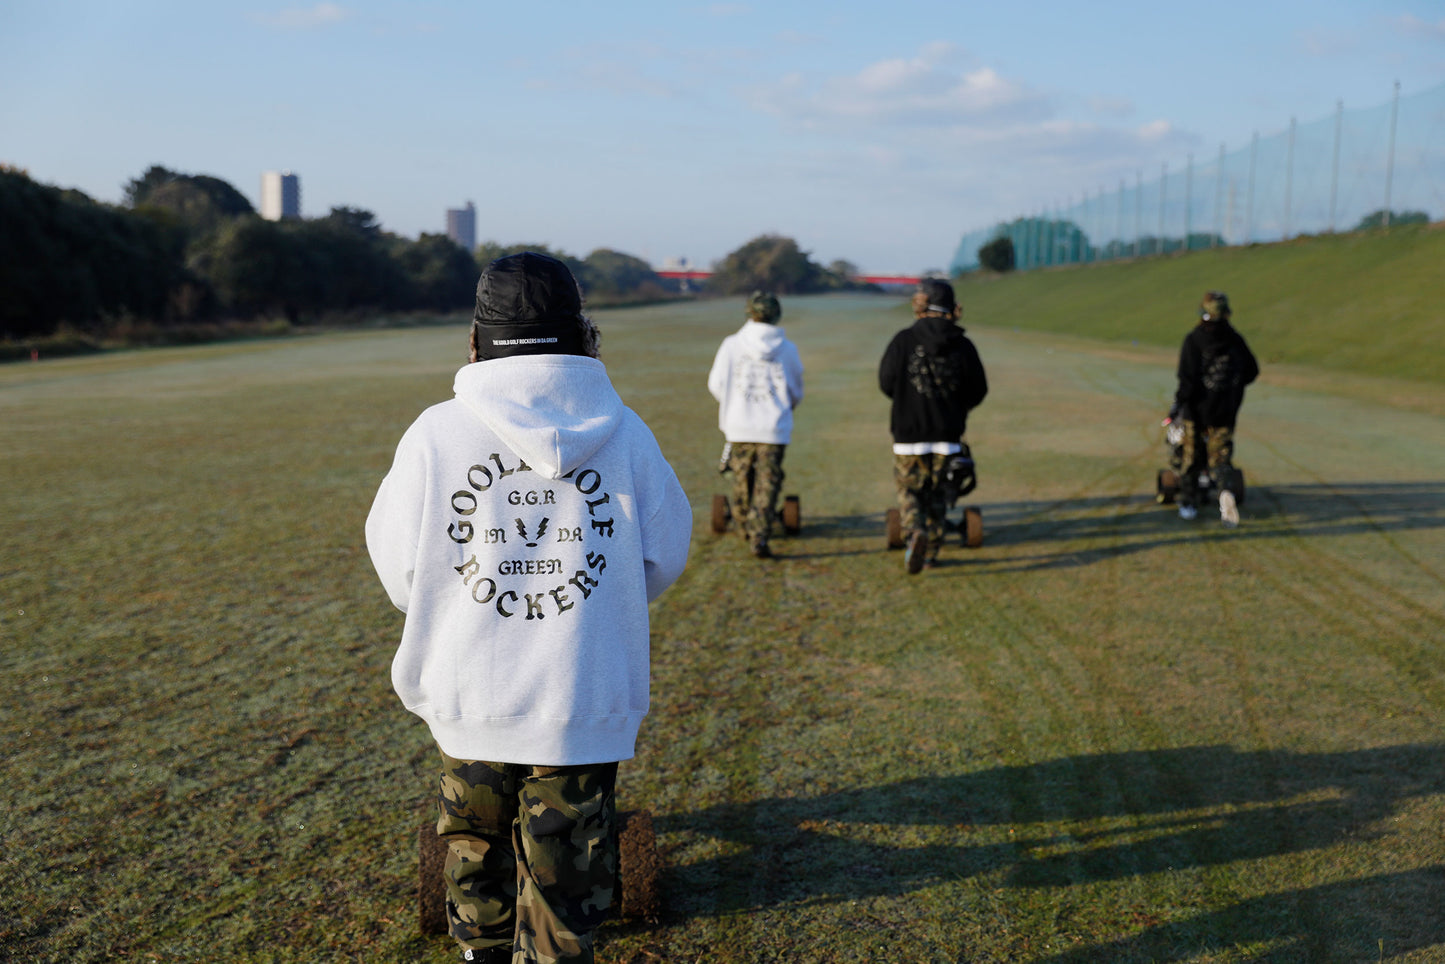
1122,525
1392,914
1098,818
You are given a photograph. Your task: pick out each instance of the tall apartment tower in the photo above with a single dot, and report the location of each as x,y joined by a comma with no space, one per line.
280,195
462,226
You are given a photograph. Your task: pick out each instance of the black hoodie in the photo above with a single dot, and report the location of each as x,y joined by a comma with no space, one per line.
935,378
1215,365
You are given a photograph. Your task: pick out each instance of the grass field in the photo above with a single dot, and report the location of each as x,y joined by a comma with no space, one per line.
1364,303
1104,736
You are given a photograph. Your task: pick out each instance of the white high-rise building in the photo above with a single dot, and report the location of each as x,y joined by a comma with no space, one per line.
280,195
462,226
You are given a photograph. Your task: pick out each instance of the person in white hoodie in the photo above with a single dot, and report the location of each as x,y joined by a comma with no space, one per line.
757,378
523,528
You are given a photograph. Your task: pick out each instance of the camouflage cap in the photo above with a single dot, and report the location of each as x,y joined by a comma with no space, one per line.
763,306
1213,306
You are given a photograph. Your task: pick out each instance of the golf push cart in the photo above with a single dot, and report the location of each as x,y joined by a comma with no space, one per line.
1168,481
790,513
958,481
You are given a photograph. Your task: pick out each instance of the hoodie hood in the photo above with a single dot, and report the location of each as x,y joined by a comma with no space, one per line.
554,411
934,331
762,340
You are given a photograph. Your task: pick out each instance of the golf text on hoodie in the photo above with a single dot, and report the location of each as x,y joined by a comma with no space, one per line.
500,588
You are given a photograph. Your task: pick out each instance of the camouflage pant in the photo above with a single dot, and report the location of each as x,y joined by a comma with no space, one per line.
531,856
757,469
1217,454
922,502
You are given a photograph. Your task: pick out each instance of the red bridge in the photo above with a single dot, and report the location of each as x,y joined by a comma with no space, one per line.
695,274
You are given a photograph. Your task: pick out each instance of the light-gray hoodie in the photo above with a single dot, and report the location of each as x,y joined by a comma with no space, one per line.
757,378
523,528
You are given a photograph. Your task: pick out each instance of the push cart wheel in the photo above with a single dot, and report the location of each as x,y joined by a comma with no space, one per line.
638,891
792,515
639,868
893,522
972,527
721,514
431,888
1166,486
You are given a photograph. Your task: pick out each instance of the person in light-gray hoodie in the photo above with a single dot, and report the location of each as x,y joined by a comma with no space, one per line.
523,528
757,378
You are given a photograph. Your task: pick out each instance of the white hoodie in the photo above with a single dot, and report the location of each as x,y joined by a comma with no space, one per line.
523,528
757,377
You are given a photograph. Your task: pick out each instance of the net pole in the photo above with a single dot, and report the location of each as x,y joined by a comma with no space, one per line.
1289,181
1390,155
1335,163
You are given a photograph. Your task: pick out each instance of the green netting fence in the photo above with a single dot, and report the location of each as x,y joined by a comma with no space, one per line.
1349,169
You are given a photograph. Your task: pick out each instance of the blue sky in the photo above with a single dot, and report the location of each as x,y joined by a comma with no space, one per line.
878,132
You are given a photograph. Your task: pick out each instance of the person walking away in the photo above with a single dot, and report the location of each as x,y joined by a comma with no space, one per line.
757,378
1215,366
932,372
523,528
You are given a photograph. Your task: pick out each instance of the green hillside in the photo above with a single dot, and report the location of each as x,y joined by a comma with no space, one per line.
1370,303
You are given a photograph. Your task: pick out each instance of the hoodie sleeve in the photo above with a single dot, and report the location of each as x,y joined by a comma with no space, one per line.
717,379
1188,375
890,367
667,532
1248,364
977,385
794,370
393,527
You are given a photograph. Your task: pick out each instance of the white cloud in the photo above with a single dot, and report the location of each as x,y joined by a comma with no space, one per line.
928,90
304,18
1111,106
1414,26
1156,130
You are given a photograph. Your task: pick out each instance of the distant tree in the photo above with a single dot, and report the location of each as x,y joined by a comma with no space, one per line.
845,270
612,274
256,268
137,190
66,259
440,276
354,221
770,262
997,255
1376,219
489,251
162,187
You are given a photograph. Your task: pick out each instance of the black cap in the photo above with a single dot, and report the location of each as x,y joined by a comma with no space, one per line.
939,294
528,304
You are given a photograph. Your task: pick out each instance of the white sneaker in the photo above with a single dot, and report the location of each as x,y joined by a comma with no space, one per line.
1188,512
1228,509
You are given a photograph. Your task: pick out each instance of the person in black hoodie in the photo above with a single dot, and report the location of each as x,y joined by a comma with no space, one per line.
1215,365
934,376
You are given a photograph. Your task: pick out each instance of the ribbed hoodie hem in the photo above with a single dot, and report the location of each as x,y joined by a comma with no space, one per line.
540,742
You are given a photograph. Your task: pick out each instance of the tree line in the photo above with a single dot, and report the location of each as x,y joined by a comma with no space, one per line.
184,249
